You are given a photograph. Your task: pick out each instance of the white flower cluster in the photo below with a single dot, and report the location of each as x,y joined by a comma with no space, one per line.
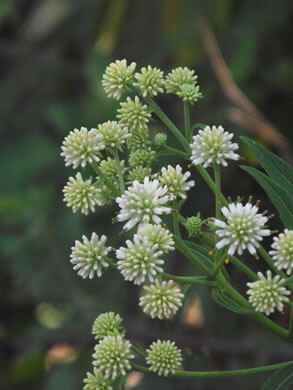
117,77
244,228
213,146
268,293
143,203
82,146
112,356
164,357
176,181
282,252
161,299
90,256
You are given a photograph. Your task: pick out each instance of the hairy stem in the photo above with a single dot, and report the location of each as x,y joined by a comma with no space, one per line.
119,171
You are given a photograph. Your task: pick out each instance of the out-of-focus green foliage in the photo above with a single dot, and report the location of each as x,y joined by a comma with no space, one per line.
52,56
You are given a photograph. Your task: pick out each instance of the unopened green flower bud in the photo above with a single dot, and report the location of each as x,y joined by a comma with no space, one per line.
160,140
193,226
189,93
138,173
96,381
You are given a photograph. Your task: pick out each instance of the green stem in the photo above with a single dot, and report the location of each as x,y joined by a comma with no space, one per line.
119,171
180,245
217,374
177,152
188,131
176,219
104,178
139,351
217,171
199,280
207,178
176,132
238,263
219,264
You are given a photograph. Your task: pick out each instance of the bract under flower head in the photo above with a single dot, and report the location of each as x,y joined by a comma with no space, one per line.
117,77
282,252
81,147
140,260
143,203
213,146
244,228
268,293
90,256
81,194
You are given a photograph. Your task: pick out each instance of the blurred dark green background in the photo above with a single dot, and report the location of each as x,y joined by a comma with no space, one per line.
52,57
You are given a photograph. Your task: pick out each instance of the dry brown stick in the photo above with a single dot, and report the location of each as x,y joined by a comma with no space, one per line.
246,114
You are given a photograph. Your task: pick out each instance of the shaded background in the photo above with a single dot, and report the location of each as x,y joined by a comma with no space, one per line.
52,57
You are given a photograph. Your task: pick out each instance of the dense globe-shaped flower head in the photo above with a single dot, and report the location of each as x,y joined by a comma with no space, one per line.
114,135
140,260
164,357
161,299
143,203
112,356
178,77
244,228
213,146
193,225
157,235
134,115
150,81
160,140
81,194
176,181
189,93
90,256
282,252
81,147
268,293
117,77
107,324
96,381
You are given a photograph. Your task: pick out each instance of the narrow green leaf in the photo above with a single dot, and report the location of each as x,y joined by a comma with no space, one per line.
275,167
202,253
278,195
280,380
222,299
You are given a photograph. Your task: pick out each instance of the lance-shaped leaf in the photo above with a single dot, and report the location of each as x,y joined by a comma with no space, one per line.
280,380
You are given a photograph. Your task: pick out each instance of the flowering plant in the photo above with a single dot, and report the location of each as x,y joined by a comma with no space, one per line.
144,196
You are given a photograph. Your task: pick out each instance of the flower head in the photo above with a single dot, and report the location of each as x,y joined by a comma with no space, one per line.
176,181
143,157
96,381
282,252
150,81
142,203
117,77
267,293
193,225
114,135
189,93
107,324
140,260
133,114
160,140
244,228
90,256
164,357
138,173
81,194
109,168
213,146
81,147
178,77
161,299
157,235
112,356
